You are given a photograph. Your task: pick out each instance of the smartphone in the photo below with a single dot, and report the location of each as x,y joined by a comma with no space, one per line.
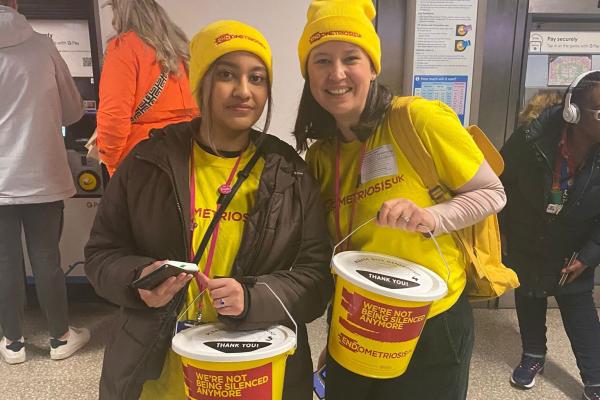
319,382
158,276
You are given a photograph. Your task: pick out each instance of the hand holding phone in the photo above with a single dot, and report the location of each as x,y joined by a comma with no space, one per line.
165,270
164,279
573,268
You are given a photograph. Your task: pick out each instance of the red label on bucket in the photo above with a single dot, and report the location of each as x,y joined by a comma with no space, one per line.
380,321
255,383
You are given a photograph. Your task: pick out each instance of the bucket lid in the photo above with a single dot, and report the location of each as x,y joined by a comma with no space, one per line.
211,342
389,276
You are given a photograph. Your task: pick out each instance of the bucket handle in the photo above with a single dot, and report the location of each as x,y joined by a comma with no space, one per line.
284,308
257,283
181,314
428,234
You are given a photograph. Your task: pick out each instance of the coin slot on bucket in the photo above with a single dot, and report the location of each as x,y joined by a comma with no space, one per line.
387,281
237,347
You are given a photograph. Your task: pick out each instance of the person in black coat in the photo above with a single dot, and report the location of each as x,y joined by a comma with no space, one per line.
551,227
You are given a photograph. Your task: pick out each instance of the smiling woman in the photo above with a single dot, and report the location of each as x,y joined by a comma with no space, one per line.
340,74
359,155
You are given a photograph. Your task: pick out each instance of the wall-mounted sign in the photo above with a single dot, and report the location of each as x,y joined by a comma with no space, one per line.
546,42
72,39
562,70
447,88
444,52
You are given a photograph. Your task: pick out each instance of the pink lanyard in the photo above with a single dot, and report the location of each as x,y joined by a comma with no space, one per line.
223,190
337,192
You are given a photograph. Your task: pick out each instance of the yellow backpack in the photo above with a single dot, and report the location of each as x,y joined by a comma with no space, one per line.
487,277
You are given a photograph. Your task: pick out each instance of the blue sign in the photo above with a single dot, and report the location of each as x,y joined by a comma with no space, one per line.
450,89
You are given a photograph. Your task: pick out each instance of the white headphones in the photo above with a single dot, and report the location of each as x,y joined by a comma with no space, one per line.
571,113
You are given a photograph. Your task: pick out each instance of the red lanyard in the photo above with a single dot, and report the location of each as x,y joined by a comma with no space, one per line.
223,190
337,192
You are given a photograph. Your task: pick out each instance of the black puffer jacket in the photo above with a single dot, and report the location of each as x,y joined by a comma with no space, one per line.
538,242
140,219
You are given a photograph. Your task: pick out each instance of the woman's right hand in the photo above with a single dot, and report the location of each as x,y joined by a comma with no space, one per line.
163,293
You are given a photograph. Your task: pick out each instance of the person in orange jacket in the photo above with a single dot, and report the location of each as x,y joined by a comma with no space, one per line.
147,44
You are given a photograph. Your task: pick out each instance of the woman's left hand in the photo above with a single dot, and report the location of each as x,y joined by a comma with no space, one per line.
574,270
406,215
227,294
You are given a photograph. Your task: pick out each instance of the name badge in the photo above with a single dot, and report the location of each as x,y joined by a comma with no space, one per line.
554,208
378,163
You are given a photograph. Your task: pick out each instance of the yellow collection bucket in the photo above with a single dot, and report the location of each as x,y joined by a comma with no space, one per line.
380,307
220,364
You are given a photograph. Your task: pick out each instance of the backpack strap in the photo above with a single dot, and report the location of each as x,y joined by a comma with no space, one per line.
419,158
409,141
491,154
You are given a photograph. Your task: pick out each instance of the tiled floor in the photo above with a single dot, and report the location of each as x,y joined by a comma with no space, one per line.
497,350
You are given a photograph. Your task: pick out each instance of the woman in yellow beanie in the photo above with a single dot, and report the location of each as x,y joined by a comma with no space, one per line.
160,205
364,172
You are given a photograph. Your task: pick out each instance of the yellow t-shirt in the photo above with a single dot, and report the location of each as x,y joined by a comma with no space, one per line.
210,172
386,174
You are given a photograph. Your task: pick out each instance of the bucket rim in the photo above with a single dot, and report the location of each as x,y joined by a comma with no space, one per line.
439,287
181,344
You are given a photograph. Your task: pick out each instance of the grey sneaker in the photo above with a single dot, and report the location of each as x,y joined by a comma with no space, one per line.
61,349
13,353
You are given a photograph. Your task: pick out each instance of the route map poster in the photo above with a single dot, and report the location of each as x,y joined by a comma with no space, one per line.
563,69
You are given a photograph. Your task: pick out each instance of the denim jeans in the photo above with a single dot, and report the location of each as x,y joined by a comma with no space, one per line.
42,224
439,368
581,323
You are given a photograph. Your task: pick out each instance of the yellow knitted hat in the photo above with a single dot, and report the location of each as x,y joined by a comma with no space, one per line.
343,20
220,38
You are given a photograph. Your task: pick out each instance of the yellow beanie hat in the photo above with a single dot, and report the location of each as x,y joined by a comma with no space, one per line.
220,38
343,20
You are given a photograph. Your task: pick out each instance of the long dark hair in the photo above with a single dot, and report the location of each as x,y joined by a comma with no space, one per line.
313,122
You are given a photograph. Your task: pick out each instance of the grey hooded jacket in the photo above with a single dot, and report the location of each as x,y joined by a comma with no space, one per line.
37,97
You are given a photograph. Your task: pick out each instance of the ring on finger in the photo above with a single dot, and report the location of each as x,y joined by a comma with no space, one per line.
221,302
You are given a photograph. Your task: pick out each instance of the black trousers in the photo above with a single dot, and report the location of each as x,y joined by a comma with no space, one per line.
42,224
439,368
581,323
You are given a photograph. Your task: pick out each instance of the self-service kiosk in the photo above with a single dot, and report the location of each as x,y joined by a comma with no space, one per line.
74,29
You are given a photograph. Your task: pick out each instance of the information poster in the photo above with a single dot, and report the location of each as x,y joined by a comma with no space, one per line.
449,89
562,70
444,51
72,39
